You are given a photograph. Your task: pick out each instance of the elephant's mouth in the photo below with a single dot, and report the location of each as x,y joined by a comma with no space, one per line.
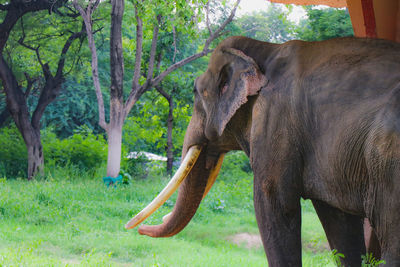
194,190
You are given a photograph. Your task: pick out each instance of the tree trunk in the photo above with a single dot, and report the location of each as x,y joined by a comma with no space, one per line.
170,145
114,150
117,113
114,133
35,154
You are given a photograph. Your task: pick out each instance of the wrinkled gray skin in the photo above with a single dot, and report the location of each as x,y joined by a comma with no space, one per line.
318,120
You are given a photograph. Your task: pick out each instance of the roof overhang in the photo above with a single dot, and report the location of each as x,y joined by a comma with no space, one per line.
370,18
331,3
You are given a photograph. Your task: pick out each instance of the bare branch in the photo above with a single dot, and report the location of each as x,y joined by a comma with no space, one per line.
138,55
67,45
70,12
177,65
163,93
153,50
222,26
21,42
86,16
36,49
207,17
52,84
204,52
30,81
174,43
159,57
136,90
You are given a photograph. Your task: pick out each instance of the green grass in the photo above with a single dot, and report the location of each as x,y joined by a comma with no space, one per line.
76,221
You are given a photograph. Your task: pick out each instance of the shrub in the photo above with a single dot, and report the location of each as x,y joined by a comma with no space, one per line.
13,154
236,166
84,149
136,167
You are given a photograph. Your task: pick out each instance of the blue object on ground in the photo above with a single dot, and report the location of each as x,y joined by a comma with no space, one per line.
112,181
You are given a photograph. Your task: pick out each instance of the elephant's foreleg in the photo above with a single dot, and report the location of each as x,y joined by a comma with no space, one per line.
280,229
344,231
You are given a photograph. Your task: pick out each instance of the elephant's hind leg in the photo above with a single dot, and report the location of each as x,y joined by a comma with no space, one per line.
344,232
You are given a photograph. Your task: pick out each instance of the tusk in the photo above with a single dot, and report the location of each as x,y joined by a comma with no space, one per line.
180,175
210,182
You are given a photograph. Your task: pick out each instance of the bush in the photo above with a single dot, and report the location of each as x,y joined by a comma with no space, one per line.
13,154
136,167
236,166
84,149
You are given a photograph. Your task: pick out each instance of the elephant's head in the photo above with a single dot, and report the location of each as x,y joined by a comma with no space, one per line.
231,77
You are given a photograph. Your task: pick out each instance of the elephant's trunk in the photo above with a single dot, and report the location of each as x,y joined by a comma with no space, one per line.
197,183
189,197
183,171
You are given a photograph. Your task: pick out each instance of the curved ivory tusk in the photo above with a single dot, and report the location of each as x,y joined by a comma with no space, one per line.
210,181
180,175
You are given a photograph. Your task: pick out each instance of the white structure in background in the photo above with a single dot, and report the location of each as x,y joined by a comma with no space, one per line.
147,155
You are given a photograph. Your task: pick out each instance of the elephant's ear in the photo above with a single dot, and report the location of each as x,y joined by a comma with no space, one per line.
240,78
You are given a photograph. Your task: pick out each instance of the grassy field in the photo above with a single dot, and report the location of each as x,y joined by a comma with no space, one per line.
77,221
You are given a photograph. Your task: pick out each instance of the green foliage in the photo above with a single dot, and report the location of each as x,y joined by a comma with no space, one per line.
236,166
369,260
76,106
271,25
323,24
147,129
49,38
126,177
13,153
83,149
135,167
336,256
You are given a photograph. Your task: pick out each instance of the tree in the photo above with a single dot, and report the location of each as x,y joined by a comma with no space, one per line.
150,17
74,107
174,90
29,123
270,26
323,24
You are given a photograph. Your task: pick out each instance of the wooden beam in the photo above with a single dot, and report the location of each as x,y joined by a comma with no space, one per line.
369,18
357,17
375,18
331,3
387,18
397,37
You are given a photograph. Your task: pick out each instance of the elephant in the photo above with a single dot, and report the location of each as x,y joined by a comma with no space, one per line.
319,121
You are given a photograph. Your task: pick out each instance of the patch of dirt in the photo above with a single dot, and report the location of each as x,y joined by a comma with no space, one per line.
249,241
253,241
317,247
